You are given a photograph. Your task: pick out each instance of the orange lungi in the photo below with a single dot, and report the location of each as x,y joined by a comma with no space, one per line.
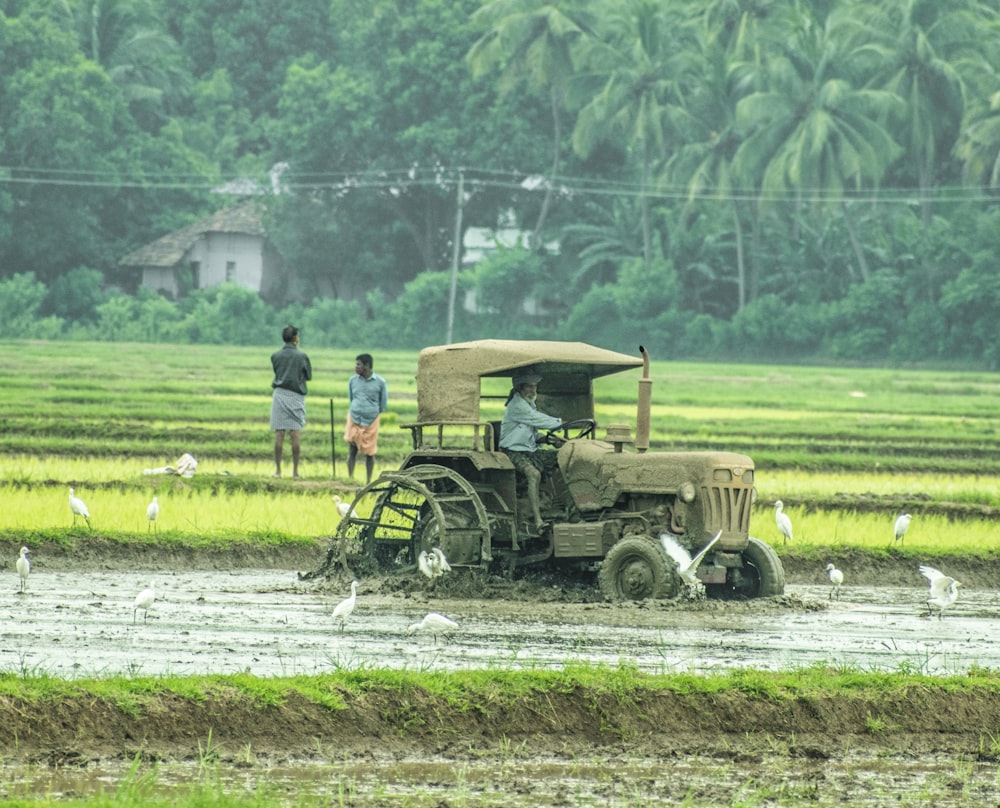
364,437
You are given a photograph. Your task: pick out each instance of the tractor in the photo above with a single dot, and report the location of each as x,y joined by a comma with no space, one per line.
621,515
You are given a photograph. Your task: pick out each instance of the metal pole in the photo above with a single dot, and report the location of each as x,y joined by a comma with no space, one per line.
333,441
456,257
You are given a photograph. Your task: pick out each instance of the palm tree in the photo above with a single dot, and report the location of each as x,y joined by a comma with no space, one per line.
634,63
531,39
607,240
909,47
812,134
979,146
126,39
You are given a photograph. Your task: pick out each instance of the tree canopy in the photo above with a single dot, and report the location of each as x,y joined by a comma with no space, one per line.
694,171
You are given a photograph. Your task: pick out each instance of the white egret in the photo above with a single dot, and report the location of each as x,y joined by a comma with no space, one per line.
23,567
433,563
143,601
687,567
344,609
440,561
152,514
343,508
434,624
836,580
943,590
781,518
902,524
79,507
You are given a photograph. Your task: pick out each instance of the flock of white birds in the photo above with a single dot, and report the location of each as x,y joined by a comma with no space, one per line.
431,563
943,590
942,594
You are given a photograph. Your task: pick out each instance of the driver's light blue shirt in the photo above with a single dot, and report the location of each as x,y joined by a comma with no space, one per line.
520,425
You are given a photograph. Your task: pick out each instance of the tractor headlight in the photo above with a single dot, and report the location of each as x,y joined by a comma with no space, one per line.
687,492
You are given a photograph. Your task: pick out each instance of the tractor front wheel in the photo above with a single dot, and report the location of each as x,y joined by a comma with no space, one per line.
636,568
762,575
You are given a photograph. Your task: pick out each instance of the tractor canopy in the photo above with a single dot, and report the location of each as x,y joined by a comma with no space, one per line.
448,376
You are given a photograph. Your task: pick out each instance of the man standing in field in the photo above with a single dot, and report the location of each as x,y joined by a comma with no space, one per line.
292,370
368,397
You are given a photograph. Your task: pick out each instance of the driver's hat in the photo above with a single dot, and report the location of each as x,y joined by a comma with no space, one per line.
525,376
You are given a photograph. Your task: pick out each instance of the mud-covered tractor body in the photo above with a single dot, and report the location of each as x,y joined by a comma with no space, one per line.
610,508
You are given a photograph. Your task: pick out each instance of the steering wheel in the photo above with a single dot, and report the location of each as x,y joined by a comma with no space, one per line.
585,427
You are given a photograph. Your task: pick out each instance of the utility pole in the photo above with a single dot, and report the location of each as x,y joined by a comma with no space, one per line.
456,257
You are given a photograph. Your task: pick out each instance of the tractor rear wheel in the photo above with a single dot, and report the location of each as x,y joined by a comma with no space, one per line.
636,568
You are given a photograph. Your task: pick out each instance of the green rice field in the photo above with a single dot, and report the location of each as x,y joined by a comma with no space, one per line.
846,449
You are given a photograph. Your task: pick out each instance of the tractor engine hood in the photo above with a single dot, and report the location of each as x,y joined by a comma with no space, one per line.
597,475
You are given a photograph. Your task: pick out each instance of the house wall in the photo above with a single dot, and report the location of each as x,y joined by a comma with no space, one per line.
160,279
214,251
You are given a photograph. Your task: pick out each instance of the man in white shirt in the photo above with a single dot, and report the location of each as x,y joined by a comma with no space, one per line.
519,436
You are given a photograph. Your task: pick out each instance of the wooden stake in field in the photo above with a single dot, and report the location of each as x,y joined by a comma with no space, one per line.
333,442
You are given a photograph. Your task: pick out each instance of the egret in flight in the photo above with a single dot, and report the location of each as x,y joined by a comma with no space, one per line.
79,508
23,567
687,567
344,609
943,591
784,523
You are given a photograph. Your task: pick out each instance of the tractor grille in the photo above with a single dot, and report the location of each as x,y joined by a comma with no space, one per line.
727,508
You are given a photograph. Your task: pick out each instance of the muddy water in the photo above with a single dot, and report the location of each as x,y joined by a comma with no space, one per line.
268,622
518,779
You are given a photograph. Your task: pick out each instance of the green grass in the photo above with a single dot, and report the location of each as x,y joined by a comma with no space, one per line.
846,449
182,510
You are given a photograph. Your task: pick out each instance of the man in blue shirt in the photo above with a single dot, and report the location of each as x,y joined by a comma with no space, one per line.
292,370
368,397
519,436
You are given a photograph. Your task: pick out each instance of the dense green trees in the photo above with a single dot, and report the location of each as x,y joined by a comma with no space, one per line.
793,178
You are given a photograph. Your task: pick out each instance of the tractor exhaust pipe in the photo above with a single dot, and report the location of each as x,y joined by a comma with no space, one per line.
645,405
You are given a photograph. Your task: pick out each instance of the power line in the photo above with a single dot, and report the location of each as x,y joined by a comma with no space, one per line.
447,179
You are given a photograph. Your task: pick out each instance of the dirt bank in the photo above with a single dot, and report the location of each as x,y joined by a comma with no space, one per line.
553,746
389,722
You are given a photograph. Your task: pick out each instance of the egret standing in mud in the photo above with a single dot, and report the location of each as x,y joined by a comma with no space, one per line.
943,591
344,609
434,624
78,507
143,601
23,566
836,580
782,520
902,525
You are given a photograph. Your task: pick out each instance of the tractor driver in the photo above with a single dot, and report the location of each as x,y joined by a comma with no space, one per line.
519,436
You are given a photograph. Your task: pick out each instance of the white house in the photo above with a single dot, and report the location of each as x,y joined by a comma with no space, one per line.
230,245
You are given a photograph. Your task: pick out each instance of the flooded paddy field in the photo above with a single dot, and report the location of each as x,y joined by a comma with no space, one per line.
80,623
267,622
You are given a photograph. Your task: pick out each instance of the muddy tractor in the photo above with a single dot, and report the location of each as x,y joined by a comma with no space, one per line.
614,511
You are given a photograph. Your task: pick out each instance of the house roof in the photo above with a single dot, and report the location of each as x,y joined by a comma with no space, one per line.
168,250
